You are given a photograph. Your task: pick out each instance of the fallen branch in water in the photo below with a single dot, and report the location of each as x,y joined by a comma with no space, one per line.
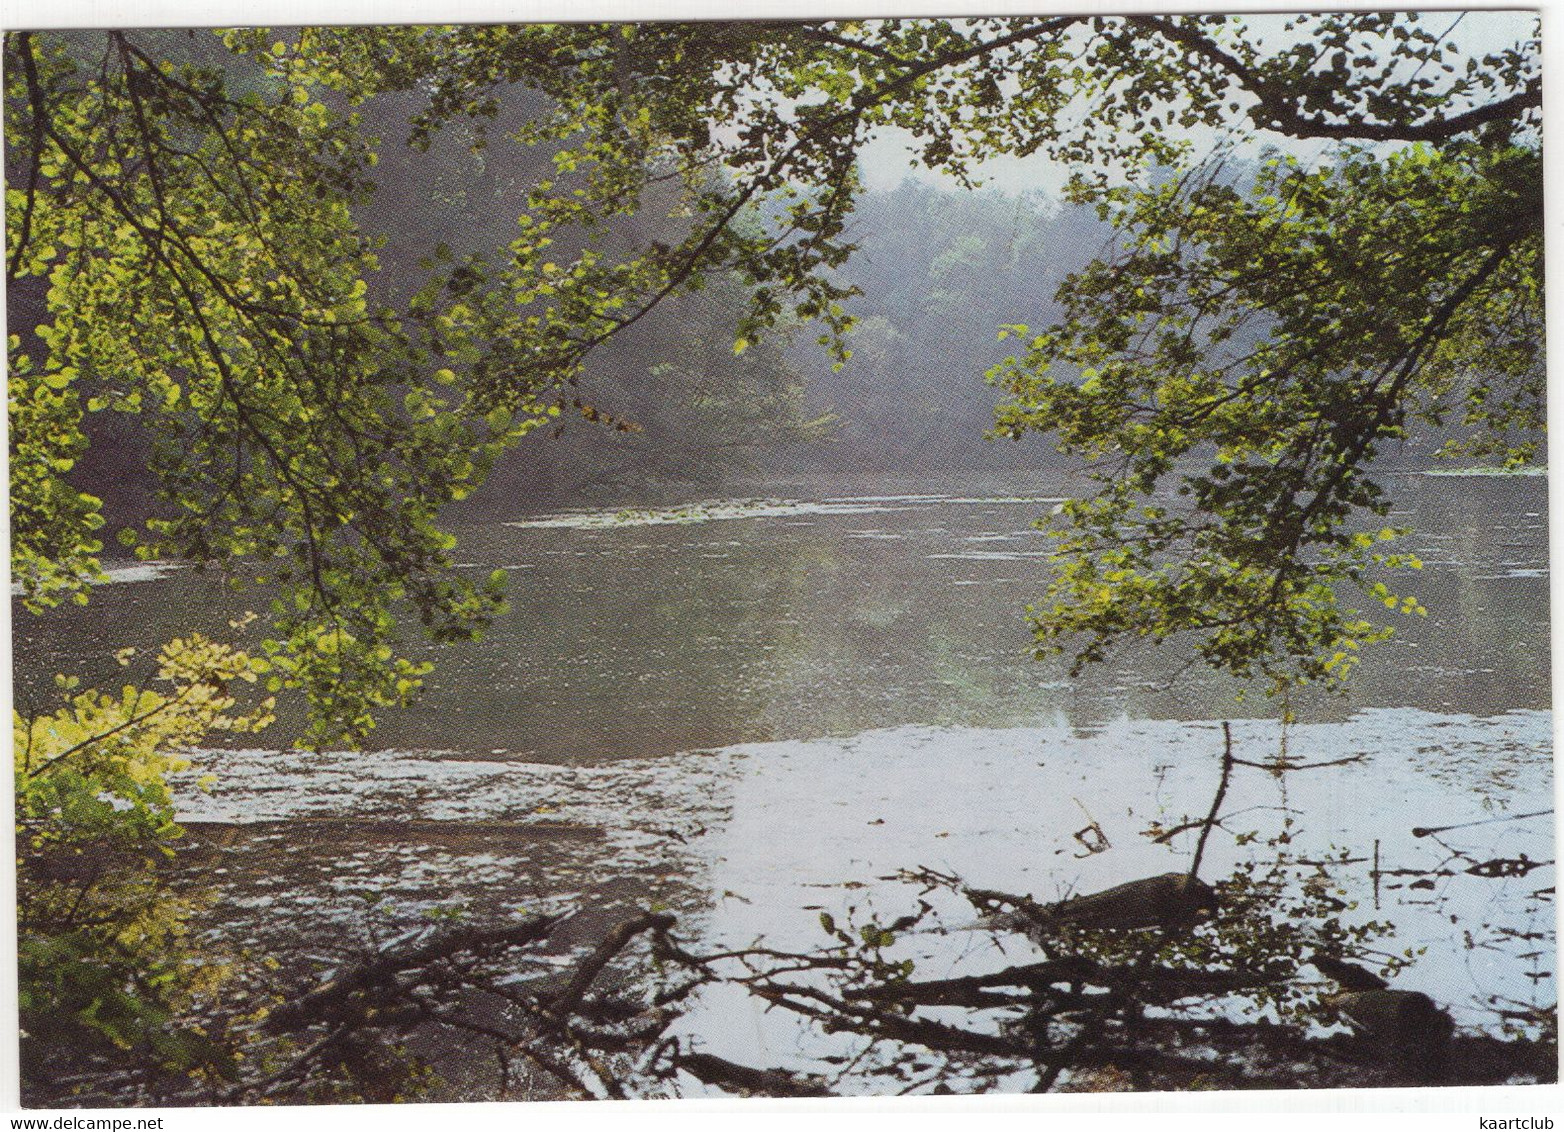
742,1079
612,944
1282,765
377,974
1216,801
463,980
1101,1001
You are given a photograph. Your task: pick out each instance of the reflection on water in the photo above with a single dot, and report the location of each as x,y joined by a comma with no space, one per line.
1001,808
755,840
632,639
736,711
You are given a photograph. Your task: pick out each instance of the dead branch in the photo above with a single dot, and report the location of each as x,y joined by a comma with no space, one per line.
612,944
1281,766
380,973
1216,802
738,1078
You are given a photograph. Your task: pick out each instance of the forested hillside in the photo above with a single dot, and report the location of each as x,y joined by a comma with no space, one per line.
672,403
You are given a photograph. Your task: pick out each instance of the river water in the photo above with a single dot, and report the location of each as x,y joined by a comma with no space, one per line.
753,708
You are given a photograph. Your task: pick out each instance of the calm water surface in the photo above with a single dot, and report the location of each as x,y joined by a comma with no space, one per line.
739,710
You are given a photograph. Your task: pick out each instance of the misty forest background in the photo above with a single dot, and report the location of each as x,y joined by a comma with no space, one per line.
940,270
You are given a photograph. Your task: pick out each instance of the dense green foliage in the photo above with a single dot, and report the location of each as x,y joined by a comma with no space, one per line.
104,965
203,272
1232,368
1257,350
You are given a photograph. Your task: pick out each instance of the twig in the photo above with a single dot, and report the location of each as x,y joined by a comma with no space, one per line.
1216,803
1426,830
1375,874
1281,765
325,1000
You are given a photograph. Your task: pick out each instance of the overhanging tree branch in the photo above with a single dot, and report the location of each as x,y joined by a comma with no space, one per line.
1280,108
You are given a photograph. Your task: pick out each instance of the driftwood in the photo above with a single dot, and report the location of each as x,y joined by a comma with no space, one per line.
1077,1011
601,1025
1404,1025
462,981
1402,1019
1430,830
1348,976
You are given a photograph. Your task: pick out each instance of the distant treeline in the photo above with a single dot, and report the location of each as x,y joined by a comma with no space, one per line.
940,273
